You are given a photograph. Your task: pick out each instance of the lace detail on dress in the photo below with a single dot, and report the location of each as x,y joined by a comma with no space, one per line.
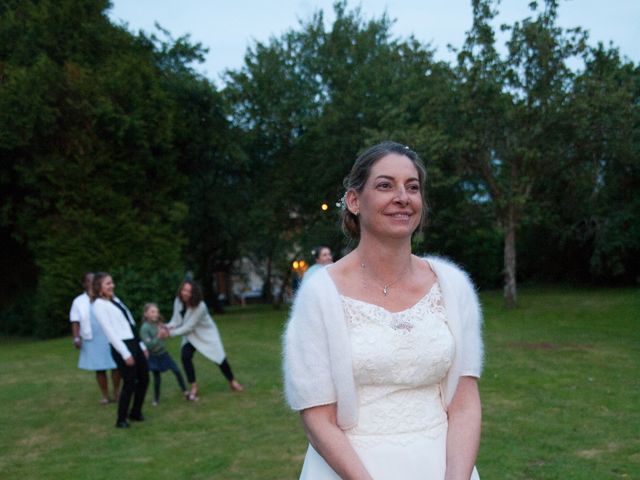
401,439
361,313
399,360
398,416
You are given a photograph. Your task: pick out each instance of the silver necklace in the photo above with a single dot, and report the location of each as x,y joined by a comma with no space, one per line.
386,286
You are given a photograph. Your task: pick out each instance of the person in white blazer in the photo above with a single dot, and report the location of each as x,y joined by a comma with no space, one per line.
95,354
127,350
383,349
191,319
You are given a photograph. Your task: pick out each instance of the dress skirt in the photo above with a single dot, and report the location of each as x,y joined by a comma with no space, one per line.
385,461
95,354
415,456
161,362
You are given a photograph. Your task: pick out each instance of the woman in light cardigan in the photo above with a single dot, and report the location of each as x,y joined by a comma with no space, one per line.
383,349
191,319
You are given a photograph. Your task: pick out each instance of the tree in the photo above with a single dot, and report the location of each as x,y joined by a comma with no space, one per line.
214,165
606,155
86,147
425,115
307,103
269,101
515,113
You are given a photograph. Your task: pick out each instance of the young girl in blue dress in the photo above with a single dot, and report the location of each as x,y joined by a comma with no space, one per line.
159,358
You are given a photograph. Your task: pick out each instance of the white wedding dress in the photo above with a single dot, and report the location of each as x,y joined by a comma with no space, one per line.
399,360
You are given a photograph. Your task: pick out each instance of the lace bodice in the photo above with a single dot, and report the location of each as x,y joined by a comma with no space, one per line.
399,360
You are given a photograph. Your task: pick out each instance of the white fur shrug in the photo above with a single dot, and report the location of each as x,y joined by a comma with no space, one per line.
317,352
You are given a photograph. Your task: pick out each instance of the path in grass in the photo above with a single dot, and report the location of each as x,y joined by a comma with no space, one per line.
560,396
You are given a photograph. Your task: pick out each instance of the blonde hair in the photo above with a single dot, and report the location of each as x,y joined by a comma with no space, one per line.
146,308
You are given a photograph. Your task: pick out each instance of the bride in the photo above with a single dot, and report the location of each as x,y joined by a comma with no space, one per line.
383,349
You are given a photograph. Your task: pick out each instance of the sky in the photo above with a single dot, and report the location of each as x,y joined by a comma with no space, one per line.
228,28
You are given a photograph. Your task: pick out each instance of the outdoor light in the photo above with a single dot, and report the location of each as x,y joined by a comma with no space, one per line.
324,207
295,265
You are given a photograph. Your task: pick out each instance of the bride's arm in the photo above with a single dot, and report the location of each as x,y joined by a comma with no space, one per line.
463,437
331,443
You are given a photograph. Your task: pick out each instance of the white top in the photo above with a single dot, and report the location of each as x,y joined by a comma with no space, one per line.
198,329
116,327
399,360
80,313
318,363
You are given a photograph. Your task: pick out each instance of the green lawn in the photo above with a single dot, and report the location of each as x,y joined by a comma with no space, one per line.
560,391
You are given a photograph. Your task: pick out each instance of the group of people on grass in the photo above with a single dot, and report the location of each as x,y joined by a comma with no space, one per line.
106,333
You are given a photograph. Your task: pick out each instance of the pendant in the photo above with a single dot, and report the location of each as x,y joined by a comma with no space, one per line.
385,290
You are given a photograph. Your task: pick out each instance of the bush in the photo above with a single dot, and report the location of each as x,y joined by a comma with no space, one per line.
14,319
136,287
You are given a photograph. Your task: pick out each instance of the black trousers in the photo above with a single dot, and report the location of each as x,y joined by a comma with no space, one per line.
135,381
186,354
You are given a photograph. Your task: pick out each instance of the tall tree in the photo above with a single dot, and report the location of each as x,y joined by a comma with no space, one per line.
515,112
308,102
270,100
606,155
425,115
86,145
210,158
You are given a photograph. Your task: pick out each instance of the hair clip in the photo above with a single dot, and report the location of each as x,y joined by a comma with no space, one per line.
342,203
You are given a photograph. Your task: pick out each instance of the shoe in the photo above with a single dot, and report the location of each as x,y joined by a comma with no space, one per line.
122,424
104,401
136,418
235,386
154,403
192,397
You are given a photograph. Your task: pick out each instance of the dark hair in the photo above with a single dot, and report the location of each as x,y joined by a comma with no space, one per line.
196,293
96,284
86,276
360,174
316,251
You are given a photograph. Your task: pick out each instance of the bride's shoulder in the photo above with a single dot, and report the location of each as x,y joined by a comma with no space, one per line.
445,268
344,271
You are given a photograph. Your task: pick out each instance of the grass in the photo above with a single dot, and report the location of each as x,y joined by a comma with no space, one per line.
560,392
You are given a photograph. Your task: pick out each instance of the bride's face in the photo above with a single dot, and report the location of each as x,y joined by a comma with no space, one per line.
390,204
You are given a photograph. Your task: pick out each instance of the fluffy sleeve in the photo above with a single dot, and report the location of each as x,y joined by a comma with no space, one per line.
464,318
307,367
471,331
